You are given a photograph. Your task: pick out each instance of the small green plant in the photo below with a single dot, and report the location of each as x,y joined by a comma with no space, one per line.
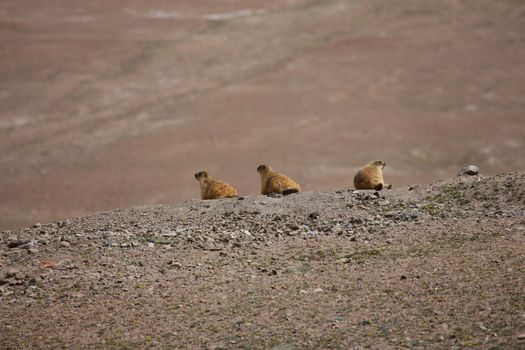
361,255
432,209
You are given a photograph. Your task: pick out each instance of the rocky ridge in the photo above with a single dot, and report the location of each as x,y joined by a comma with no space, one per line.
70,265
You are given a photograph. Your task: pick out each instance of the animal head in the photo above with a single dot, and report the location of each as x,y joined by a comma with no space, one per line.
261,169
201,175
378,163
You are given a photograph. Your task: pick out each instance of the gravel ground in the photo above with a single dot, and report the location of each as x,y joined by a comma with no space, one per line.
427,266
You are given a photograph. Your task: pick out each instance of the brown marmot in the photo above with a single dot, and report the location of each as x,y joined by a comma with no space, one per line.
273,182
214,189
370,177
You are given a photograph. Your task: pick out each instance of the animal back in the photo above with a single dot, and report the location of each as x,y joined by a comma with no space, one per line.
218,189
368,178
282,183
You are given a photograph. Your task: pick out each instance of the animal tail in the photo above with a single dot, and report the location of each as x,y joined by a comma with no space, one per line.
379,187
290,191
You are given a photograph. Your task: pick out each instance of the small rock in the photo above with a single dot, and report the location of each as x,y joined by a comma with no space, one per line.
337,229
317,290
6,292
470,170
32,250
37,225
49,264
175,264
293,227
482,326
403,277
11,273
30,282
20,276
521,336
313,216
65,244
151,245
17,242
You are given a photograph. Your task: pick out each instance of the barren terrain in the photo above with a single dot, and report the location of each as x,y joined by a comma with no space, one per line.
436,266
113,104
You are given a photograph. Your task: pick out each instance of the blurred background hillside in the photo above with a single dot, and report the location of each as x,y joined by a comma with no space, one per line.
114,104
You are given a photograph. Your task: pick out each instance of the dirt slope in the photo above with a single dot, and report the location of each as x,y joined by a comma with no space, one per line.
115,104
432,266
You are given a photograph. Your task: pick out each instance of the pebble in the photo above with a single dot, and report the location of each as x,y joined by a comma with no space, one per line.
17,242
175,264
65,244
313,216
337,229
471,170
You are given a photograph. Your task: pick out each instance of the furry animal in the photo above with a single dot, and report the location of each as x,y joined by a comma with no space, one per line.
214,189
273,182
370,177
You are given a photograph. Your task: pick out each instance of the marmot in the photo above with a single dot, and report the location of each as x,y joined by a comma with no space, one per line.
370,177
272,182
214,189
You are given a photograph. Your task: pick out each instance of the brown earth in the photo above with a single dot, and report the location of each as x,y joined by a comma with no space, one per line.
437,266
117,104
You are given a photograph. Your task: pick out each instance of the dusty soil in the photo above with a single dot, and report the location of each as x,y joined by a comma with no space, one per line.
115,104
429,266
